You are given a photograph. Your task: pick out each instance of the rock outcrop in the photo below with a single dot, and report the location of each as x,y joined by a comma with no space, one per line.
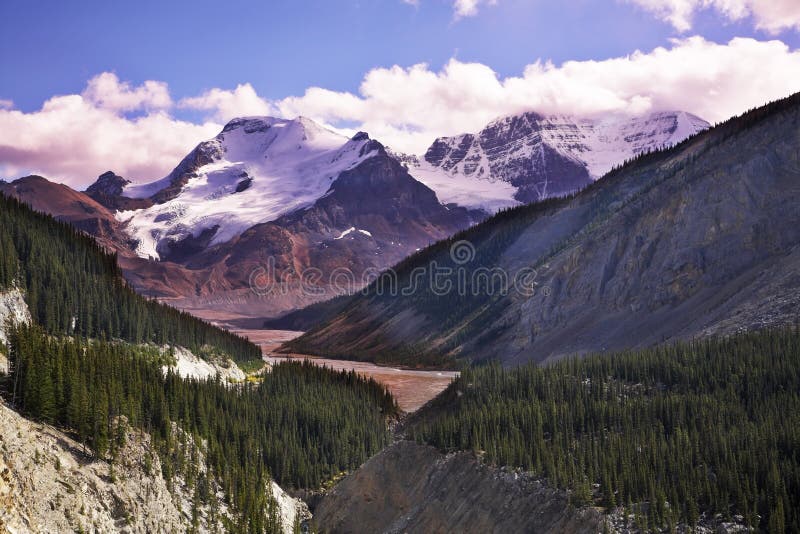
13,310
414,488
48,483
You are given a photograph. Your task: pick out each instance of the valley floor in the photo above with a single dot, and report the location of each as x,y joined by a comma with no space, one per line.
411,388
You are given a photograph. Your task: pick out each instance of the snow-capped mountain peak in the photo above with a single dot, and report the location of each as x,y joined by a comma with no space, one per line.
530,156
255,170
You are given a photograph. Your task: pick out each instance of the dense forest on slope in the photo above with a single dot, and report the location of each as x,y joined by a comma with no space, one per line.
649,252
301,425
708,426
89,363
72,286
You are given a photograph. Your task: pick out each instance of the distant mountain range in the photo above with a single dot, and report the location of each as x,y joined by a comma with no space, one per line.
301,196
700,239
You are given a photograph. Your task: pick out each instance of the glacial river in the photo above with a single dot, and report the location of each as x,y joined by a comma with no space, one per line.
411,388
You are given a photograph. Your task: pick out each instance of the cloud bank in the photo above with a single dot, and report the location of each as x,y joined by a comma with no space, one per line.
130,129
408,107
772,16
74,138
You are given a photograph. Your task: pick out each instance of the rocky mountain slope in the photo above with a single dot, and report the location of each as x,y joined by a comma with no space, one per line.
415,488
68,205
13,311
703,238
48,484
530,157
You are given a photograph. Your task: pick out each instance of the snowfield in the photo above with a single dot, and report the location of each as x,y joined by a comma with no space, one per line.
470,191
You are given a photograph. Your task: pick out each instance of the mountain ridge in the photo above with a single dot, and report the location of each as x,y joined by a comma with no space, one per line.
267,189
584,257
532,156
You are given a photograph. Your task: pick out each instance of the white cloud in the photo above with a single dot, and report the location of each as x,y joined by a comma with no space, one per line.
224,104
461,8
469,8
74,138
772,16
6,104
408,107
107,92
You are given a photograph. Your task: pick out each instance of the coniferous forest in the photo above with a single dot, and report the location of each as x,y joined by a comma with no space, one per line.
302,425
90,363
671,432
72,286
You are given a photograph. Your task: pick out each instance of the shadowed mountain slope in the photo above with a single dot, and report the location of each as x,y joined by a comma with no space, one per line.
699,239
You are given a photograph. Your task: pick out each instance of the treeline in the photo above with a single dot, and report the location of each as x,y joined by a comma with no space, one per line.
672,432
72,286
302,425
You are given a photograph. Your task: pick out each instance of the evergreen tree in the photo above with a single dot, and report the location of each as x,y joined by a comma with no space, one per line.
711,426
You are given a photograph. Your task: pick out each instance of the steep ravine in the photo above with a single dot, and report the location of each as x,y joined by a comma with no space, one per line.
409,487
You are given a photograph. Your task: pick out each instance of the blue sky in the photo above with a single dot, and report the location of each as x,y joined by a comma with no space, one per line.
182,69
282,47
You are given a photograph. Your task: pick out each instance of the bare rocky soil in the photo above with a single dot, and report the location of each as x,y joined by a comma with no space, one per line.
415,488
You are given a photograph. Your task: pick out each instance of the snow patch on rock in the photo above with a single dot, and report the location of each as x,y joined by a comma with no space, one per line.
469,191
351,230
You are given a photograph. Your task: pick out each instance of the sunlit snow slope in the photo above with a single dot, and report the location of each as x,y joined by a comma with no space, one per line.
259,169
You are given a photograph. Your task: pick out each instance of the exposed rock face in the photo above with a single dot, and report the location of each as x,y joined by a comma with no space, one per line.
68,205
291,511
47,484
13,310
188,365
108,191
108,184
414,488
697,240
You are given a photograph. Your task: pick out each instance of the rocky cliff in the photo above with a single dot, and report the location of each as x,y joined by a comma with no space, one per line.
13,310
48,483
